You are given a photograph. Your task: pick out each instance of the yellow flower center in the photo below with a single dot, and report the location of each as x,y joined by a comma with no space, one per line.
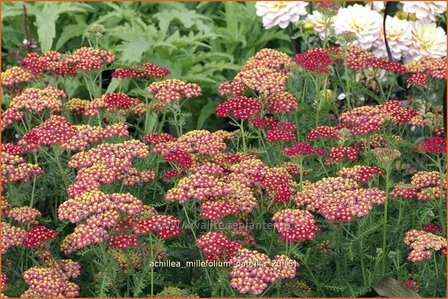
280,5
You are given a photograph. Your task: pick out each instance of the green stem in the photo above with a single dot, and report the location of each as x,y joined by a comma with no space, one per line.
361,254
388,170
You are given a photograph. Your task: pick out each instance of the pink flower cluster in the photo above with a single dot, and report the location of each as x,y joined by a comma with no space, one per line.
173,90
421,243
106,164
425,185
295,225
11,236
23,215
263,72
360,173
337,198
253,271
300,149
52,281
37,100
363,120
216,246
15,168
95,212
165,226
338,154
16,75
112,102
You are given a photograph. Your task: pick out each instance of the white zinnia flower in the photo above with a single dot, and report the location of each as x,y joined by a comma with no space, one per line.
426,11
428,40
360,20
280,13
399,37
376,5
319,22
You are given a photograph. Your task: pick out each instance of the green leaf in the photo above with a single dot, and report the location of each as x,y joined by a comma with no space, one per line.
69,32
206,112
114,83
46,16
11,9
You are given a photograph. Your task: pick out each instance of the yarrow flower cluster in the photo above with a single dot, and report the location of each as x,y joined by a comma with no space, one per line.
165,226
295,225
360,173
421,243
37,100
323,132
425,185
113,102
143,71
338,198
433,145
216,246
300,149
317,60
173,90
240,107
15,168
338,154
23,215
12,236
263,72
253,271
16,75
52,281
106,164
36,236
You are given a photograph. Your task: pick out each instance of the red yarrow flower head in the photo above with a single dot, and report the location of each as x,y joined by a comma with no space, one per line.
433,145
37,236
275,135
316,60
165,226
216,246
300,149
123,241
240,107
282,102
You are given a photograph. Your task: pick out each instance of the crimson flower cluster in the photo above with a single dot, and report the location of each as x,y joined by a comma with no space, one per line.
317,60
216,246
433,145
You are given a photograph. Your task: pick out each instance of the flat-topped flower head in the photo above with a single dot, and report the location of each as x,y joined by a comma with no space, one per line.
173,90
24,215
240,107
216,246
16,75
11,236
37,100
36,236
87,59
338,198
295,225
433,145
422,243
360,173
